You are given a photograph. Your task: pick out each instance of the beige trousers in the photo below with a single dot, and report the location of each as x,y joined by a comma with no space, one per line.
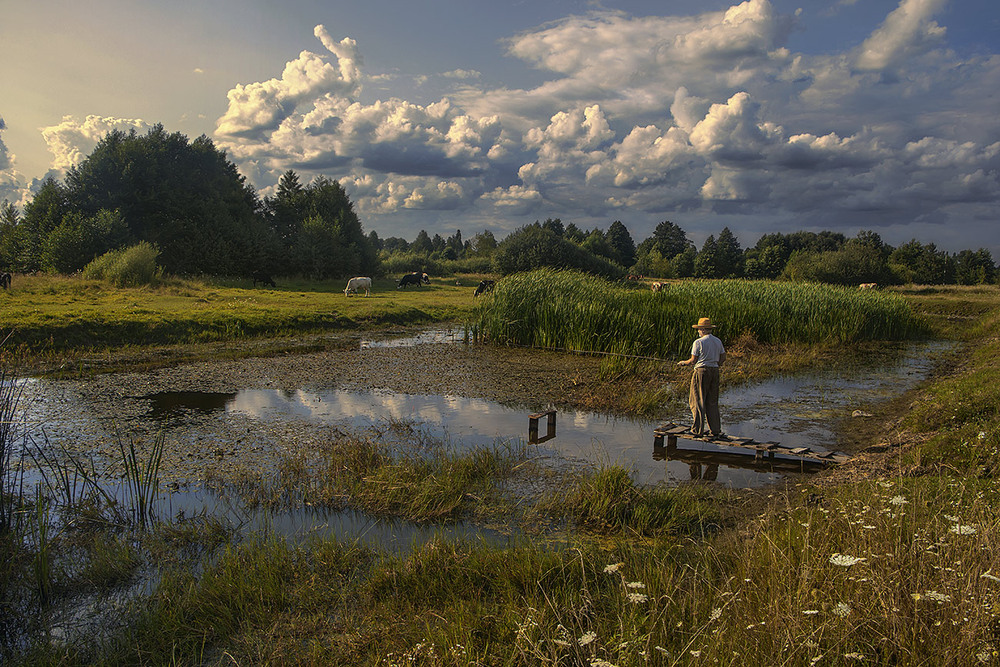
704,401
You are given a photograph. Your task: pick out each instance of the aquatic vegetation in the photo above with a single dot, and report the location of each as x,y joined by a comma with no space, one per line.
574,311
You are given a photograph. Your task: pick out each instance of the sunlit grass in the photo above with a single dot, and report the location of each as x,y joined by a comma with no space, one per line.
573,311
57,313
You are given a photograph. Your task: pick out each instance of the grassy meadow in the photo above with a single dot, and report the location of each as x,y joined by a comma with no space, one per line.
891,560
59,314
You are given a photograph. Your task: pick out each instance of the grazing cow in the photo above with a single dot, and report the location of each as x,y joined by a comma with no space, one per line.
657,287
415,278
355,285
868,286
484,287
5,280
262,278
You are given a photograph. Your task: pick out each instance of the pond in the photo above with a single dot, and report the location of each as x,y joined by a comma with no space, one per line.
797,411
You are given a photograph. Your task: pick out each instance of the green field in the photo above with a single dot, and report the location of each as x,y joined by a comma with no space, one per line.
46,314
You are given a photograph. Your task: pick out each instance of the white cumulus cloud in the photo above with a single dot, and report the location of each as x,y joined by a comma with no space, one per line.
71,140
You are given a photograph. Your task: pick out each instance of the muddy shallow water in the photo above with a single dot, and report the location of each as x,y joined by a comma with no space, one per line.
235,418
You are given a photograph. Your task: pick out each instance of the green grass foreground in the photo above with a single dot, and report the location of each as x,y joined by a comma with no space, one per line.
569,310
50,314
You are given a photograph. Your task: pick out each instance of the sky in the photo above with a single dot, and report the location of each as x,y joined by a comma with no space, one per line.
762,116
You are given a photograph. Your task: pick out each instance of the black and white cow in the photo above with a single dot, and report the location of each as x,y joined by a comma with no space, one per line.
5,280
484,287
416,278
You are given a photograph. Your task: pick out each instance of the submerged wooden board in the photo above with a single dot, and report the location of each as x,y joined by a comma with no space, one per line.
758,448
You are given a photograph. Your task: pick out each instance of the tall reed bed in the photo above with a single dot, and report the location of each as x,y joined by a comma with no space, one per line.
12,436
569,310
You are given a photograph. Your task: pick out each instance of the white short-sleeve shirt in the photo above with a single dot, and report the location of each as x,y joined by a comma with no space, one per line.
707,349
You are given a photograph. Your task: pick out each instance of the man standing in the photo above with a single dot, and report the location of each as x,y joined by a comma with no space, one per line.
707,355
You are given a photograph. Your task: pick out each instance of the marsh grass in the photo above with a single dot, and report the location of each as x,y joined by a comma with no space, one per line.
430,480
606,501
84,492
573,311
960,413
12,448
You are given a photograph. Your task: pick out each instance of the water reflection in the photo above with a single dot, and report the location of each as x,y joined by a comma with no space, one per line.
799,411
431,336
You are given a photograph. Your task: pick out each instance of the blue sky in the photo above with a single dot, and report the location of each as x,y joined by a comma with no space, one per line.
763,116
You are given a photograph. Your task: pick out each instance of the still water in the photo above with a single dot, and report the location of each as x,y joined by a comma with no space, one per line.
801,410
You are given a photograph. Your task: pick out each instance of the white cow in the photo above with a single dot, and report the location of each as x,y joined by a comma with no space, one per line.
657,287
868,286
357,284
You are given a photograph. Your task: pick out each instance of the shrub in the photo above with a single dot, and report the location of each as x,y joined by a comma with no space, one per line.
533,247
128,267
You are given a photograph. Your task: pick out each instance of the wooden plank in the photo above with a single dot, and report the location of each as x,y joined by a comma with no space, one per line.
799,450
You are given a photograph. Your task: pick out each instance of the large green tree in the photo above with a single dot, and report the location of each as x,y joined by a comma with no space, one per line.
184,196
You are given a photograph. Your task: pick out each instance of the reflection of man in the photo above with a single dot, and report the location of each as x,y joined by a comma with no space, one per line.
710,474
707,355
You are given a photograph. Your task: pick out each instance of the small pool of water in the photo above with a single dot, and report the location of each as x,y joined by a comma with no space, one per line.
428,337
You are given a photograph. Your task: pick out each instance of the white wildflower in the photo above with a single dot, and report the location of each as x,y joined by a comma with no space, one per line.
614,567
899,500
854,656
953,519
845,560
598,662
810,612
587,638
696,654
982,435
635,584
842,609
715,615
959,529
636,598
937,597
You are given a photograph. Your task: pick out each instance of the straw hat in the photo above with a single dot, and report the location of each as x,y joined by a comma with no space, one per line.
704,323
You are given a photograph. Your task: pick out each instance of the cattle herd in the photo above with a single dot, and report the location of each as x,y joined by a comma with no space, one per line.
355,285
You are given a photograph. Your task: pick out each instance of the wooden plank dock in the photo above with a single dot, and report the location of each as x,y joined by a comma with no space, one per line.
666,436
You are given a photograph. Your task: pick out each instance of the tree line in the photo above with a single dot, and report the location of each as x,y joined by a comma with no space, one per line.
190,202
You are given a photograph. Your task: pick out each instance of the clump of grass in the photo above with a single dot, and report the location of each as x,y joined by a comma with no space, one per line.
128,267
427,481
607,501
569,310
